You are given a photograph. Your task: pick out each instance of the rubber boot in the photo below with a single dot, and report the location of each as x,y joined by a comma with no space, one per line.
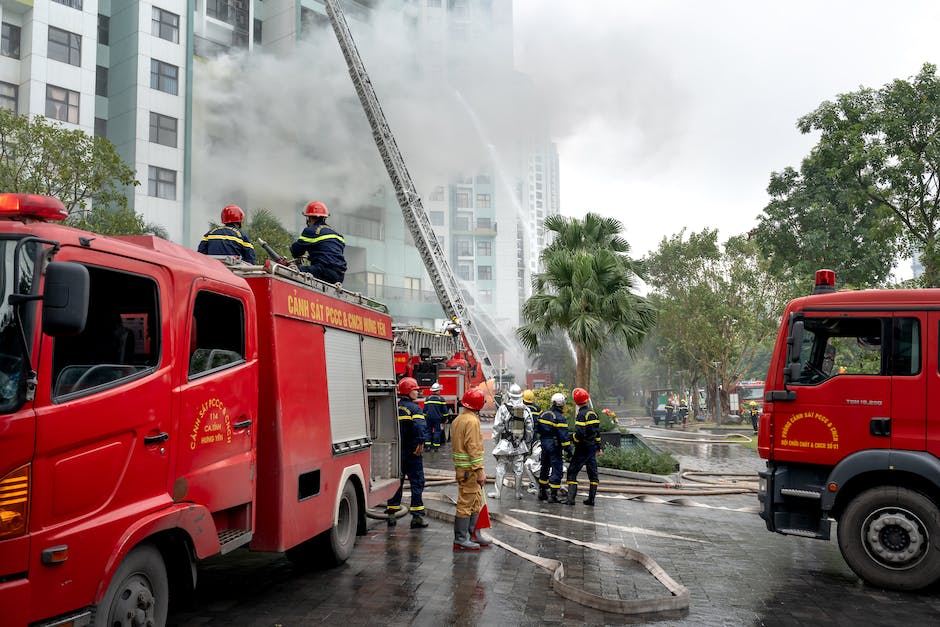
543,492
519,491
391,521
590,499
553,497
418,522
462,536
476,535
498,484
572,493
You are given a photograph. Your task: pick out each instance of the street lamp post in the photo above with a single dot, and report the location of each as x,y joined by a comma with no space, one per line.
717,394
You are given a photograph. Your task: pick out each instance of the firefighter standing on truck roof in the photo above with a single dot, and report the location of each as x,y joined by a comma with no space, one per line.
587,444
411,428
229,239
322,244
552,429
435,412
467,444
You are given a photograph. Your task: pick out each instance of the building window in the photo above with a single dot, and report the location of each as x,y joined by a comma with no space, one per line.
10,41
8,96
484,223
485,273
484,248
104,29
162,129
65,46
165,25
258,26
161,183
483,201
438,193
164,77
101,81
375,284
101,127
486,297
462,223
462,246
465,271
75,4
61,104
434,4
437,218
412,287
463,200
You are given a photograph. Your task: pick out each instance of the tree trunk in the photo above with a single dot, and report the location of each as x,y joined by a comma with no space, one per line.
582,377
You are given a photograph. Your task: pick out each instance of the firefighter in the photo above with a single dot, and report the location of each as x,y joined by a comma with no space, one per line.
754,412
467,443
322,244
528,397
683,411
435,413
411,428
229,239
512,430
552,431
587,444
670,408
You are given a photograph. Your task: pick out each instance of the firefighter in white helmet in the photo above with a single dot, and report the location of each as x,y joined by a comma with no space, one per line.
512,430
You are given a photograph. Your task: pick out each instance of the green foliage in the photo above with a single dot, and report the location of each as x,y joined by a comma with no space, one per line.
118,221
585,291
264,225
608,420
42,157
543,398
868,192
636,459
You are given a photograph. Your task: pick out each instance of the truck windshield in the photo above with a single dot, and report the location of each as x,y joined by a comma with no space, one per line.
13,365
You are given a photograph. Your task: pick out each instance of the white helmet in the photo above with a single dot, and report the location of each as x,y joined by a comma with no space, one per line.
515,393
437,387
558,399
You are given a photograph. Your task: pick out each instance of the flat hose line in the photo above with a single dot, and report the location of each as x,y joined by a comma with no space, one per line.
678,599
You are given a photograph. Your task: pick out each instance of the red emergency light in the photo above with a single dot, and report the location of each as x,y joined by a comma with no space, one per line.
825,282
34,206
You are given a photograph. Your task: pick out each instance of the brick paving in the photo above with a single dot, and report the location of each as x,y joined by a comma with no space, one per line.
737,572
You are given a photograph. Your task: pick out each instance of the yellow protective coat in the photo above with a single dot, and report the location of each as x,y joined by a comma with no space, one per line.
467,444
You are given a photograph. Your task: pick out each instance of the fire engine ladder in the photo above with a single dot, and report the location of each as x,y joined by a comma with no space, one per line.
445,284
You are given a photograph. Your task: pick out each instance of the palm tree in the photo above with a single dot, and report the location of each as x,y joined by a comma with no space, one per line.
585,291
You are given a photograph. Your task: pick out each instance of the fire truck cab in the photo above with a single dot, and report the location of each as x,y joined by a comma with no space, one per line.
850,431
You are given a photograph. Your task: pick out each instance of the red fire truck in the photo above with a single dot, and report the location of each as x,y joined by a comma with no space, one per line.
158,407
848,433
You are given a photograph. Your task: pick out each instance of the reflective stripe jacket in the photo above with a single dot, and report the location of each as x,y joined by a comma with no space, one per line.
323,246
227,240
467,442
435,408
552,425
587,429
411,425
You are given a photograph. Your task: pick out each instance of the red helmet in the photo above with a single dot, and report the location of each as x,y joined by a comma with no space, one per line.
407,385
473,399
232,213
580,396
316,209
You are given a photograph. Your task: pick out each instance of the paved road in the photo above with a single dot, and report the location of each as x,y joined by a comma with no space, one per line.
737,572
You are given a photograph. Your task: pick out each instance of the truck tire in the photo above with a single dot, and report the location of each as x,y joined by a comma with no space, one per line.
889,536
138,593
335,545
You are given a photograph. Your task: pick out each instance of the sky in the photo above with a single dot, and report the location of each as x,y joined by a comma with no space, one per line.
673,114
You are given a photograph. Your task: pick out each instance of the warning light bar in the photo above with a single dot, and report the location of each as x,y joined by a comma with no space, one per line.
825,282
32,206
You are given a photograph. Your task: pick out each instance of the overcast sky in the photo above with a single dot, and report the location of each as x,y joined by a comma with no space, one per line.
672,114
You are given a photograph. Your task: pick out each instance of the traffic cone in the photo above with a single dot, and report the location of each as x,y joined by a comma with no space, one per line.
483,520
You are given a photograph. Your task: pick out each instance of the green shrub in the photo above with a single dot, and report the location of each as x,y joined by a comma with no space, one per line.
637,460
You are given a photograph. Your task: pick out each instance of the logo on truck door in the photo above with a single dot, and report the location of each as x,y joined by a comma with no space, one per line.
212,425
810,430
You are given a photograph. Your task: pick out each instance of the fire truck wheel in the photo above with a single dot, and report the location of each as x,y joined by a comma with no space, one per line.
335,545
138,592
888,535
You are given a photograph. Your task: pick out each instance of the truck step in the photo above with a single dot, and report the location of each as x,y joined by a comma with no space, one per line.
806,533
231,539
803,494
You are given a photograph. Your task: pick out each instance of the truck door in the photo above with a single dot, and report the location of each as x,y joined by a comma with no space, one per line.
218,417
932,382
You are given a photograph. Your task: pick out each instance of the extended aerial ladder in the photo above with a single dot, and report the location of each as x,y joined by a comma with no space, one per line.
444,281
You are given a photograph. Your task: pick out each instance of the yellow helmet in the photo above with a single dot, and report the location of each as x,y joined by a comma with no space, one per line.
528,396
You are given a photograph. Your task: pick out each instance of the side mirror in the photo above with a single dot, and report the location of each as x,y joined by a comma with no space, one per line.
791,371
65,298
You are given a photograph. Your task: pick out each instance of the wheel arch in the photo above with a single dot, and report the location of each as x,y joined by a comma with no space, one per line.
916,470
355,476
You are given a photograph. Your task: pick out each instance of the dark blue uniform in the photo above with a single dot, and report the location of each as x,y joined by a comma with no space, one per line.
587,439
227,240
535,410
324,248
552,431
412,429
435,412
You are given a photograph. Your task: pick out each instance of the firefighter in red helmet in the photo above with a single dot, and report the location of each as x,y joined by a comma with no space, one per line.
229,239
467,443
587,445
323,246
413,433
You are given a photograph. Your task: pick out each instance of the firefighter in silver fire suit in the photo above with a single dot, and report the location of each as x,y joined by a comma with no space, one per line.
512,431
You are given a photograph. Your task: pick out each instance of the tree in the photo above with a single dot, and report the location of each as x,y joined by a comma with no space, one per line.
585,291
868,192
262,224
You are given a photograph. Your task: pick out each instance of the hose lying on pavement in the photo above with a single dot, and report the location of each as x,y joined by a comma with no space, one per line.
678,598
